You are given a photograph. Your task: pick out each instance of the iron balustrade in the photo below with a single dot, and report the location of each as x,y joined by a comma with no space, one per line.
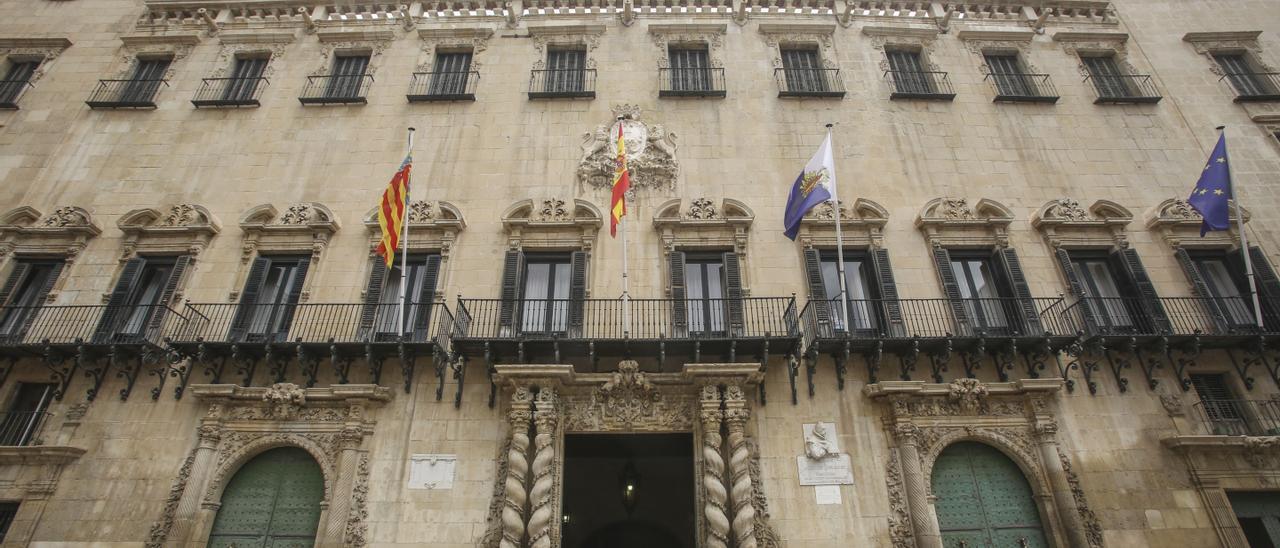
1254,86
1022,87
911,84
125,93
1170,316
11,91
808,82
443,86
229,92
20,429
562,83
311,323
691,82
1124,88
1239,417
884,319
83,324
336,89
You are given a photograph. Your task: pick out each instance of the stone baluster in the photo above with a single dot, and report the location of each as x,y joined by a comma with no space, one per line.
542,494
744,514
1063,498
924,523
513,524
714,495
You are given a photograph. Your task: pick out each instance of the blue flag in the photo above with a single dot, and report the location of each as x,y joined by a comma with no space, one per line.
816,184
1213,190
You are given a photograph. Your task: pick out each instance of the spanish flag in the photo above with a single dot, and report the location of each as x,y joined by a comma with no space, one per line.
621,182
391,212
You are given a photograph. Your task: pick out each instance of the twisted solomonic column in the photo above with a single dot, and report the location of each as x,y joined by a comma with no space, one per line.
744,514
540,496
517,471
714,494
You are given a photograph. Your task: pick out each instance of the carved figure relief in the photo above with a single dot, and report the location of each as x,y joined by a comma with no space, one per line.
651,153
817,444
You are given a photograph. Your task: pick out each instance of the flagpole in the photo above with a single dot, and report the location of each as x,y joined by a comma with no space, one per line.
835,208
626,283
1244,241
404,238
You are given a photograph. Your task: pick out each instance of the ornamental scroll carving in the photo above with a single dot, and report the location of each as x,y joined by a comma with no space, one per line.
651,153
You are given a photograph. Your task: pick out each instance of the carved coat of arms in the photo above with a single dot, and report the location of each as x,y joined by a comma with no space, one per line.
651,153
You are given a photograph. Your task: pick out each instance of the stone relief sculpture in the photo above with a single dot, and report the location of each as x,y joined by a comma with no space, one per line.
651,153
817,445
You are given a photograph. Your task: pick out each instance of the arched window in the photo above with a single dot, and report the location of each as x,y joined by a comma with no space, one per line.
983,500
274,500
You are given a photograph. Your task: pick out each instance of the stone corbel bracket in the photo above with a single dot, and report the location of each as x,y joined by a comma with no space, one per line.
861,225
1179,224
1065,223
185,229
63,233
552,222
704,224
951,222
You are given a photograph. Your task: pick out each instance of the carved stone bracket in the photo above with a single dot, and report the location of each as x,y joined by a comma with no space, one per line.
1179,224
950,222
651,154
862,225
552,222
1065,223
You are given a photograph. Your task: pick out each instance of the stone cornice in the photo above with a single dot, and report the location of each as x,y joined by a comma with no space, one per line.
338,393
689,28
554,29
21,42
256,37
1225,36
564,375
39,454
1010,35
921,388
898,31
1090,36
184,38
355,35
797,28
464,33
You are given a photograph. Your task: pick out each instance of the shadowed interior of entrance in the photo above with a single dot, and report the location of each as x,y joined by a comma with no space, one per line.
599,468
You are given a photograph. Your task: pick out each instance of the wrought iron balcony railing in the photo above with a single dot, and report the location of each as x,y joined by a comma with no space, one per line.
562,83
1255,86
1022,87
807,82
887,319
1239,417
909,84
315,323
83,324
125,93
11,91
443,86
20,429
1124,88
1170,316
229,92
691,82
336,89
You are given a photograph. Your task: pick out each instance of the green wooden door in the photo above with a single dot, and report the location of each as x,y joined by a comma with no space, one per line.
272,502
1259,515
983,501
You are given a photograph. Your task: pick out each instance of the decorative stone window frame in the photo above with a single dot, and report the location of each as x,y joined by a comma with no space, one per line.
433,226
984,42
339,41
885,39
782,35
704,225
239,45
304,228
701,400
553,35
1015,418
1179,225
174,46
331,424
861,225
63,233
1246,42
552,223
32,474
1065,223
1096,44
952,223
186,229
683,34
44,50
1218,464
437,40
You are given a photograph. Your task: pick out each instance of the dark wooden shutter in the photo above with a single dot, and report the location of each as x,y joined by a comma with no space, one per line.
951,288
295,293
888,292
1201,289
1268,286
819,303
1083,305
512,274
733,292
679,312
1131,264
117,304
577,292
426,298
180,265
248,298
372,298
51,278
1024,304
20,269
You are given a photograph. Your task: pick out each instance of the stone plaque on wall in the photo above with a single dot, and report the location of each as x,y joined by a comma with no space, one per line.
822,462
431,471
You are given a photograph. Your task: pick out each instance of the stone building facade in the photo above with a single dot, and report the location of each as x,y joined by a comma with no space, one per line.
193,309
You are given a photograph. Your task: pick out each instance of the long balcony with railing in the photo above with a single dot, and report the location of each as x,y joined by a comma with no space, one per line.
691,82
1219,417
562,84
1124,88
1255,86
229,92
929,85
443,86
809,82
336,89
125,94
1022,87
1213,322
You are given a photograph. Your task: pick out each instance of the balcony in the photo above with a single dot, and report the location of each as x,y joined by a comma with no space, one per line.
41,327
11,91
1022,88
1238,417
1255,86
21,429
809,82
691,82
125,94
1213,322
443,86
229,92
1125,88
336,90
562,84
927,85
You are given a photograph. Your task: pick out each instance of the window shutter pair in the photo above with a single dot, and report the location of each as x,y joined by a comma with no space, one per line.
733,301
889,310
1264,276
253,286
1151,309
1022,310
424,300
8,292
512,291
119,303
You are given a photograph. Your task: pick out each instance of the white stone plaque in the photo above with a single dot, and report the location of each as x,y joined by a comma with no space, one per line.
827,494
832,470
431,471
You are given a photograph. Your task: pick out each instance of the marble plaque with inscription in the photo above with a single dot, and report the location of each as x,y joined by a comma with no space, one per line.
833,470
431,471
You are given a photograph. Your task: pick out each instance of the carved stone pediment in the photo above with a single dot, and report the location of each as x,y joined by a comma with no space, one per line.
1065,222
433,40
861,224
552,222
180,228
63,232
1179,224
703,222
953,222
304,226
432,225
651,154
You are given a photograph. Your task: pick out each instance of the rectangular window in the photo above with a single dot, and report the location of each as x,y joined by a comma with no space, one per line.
16,80
1107,77
690,68
144,298
347,79
417,303
1010,77
1231,297
26,289
565,71
26,414
1220,405
1243,76
8,510
980,292
861,306
908,72
1111,306
546,294
452,69
147,76
705,297
245,77
271,311
803,70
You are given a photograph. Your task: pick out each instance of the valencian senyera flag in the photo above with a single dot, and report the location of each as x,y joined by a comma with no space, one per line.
1213,190
816,184
621,182
391,212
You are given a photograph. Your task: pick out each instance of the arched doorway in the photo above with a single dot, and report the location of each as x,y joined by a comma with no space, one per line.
273,500
983,500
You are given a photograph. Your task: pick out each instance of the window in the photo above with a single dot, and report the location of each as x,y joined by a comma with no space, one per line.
8,510
1101,288
860,303
1259,515
348,76
1248,80
452,69
1108,78
545,307
1232,301
270,296
23,294
705,303
565,70
1010,77
16,81
135,309
908,72
26,414
690,68
979,292
147,76
245,77
1219,404
382,308
803,70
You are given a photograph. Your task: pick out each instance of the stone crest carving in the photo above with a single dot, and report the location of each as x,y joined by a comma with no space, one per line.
553,209
628,396
702,209
955,208
1068,209
66,216
284,400
1259,450
651,153
1172,404
967,393
420,211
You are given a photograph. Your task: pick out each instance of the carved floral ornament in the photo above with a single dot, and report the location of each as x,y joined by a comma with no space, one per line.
181,228
689,34
1179,224
371,42
952,221
1066,222
270,45
1085,44
557,222
63,232
886,38
432,225
862,224
1208,43
703,222
651,153
435,40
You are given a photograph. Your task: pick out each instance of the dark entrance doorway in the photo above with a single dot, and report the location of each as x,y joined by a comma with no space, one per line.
628,491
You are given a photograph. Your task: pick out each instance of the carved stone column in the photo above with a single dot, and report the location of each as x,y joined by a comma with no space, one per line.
340,501
541,496
924,523
513,524
744,514
713,470
191,479
1063,498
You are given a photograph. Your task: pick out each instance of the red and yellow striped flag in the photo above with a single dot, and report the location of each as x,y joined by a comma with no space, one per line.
621,182
391,212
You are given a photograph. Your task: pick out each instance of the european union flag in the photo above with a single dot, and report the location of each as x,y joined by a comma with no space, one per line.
1213,190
